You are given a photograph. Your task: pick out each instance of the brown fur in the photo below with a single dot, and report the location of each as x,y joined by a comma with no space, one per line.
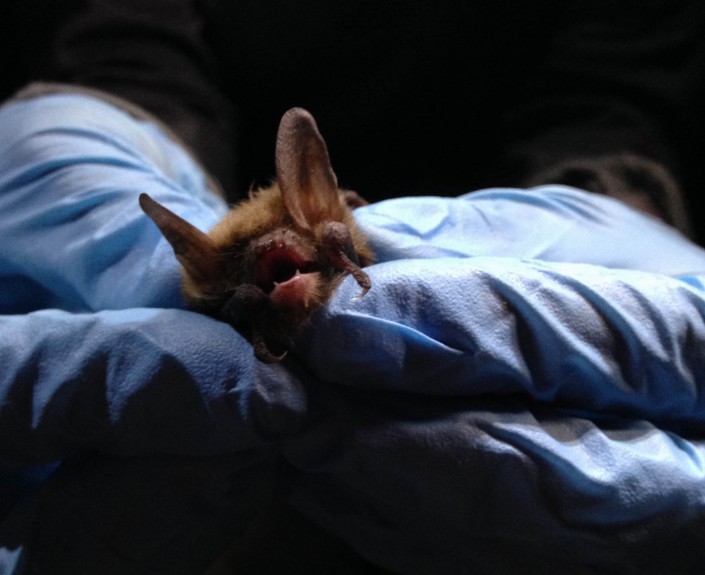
301,223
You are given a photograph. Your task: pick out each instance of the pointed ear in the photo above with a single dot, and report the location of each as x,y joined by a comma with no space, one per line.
306,179
195,251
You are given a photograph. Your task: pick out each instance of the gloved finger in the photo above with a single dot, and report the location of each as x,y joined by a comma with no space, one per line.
549,223
72,234
136,381
578,336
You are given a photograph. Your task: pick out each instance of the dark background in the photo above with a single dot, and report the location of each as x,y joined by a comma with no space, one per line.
458,96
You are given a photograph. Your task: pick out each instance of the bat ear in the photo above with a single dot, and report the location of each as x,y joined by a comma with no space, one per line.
306,179
195,251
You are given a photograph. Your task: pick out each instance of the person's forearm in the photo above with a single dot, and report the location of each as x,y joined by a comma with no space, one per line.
615,85
152,54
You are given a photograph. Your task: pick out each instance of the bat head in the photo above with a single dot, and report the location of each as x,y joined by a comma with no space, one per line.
276,257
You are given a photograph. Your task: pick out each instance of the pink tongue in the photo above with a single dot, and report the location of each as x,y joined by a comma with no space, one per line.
278,264
297,291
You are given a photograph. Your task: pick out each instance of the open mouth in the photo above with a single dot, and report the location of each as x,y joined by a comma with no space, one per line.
287,269
279,265
289,278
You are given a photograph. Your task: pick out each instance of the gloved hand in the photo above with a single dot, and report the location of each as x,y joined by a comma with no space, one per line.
531,280
500,393
72,234
100,360
494,408
88,362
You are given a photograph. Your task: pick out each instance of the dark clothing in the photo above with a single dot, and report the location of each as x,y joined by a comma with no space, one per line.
412,97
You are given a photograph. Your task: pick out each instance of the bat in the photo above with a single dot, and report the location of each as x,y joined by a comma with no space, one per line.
276,257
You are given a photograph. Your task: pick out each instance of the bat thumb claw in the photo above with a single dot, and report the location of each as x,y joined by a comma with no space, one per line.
363,280
362,293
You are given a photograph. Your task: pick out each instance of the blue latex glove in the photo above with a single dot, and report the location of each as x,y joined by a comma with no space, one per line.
498,409
521,388
83,360
70,171
513,412
98,355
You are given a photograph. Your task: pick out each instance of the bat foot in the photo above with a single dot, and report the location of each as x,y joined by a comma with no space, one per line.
246,307
261,349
